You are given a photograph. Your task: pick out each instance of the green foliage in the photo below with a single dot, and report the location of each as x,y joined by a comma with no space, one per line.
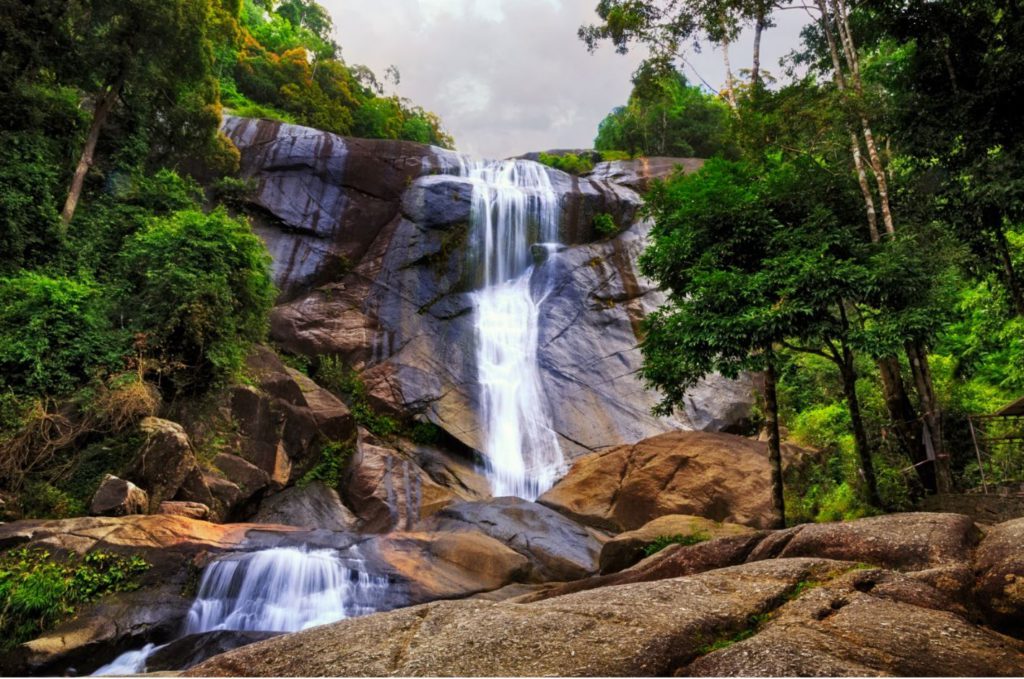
335,376
334,456
38,591
425,433
567,162
662,541
604,225
55,334
666,116
199,288
41,500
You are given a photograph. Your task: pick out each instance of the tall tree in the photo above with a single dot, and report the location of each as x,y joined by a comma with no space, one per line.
156,48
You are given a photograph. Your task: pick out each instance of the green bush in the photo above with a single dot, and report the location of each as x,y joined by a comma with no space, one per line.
567,162
328,470
604,225
37,591
662,541
55,333
199,290
335,376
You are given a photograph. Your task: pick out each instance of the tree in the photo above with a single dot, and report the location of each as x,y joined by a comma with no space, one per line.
666,116
709,240
157,49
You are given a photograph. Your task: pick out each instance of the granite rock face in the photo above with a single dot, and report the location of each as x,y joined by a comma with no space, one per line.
374,255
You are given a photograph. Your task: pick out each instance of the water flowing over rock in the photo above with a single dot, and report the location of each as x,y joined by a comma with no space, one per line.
380,252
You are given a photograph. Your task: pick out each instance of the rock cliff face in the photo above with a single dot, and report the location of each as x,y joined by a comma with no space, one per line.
373,254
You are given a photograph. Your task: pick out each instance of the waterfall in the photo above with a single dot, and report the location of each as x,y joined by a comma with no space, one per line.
285,589
514,208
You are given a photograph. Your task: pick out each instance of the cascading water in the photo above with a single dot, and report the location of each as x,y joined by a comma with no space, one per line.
285,589
514,208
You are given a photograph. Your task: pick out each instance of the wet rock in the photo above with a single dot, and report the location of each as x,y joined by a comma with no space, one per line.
908,542
638,173
558,548
716,476
1000,569
438,201
100,632
191,510
644,629
387,489
626,549
310,506
193,649
117,497
164,462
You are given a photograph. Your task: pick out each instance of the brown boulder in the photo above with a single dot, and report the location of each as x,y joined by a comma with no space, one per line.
1000,576
191,510
672,562
866,623
247,481
445,565
716,476
558,548
164,462
906,542
626,549
117,497
644,629
311,506
387,489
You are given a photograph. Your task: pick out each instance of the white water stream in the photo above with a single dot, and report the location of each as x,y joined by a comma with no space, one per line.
514,208
285,589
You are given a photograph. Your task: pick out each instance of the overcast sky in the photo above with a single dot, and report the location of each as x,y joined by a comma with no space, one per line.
510,76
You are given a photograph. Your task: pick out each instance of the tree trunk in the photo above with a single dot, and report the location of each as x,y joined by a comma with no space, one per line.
904,420
755,71
1013,285
918,357
730,82
99,117
771,403
865,188
848,372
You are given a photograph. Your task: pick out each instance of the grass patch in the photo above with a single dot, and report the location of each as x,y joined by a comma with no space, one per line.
334,456
37,591
662,541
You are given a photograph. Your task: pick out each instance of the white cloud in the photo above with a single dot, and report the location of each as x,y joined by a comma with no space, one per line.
510,76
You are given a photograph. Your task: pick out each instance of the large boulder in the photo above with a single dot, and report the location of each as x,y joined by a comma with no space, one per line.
164,462
643,629
873,623
283,419
117,497
192,649
191,510
427,566
715,476
906,542
558,548
310,506
1000,576
626,549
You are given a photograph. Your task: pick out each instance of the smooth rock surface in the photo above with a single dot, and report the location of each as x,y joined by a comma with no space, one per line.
559,548
716,476
164,461
192,510
644,629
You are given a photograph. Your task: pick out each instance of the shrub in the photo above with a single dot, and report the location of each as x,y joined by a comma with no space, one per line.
571,163
604,225
662,541
37,591
328,470
55,334
199,289
335,376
